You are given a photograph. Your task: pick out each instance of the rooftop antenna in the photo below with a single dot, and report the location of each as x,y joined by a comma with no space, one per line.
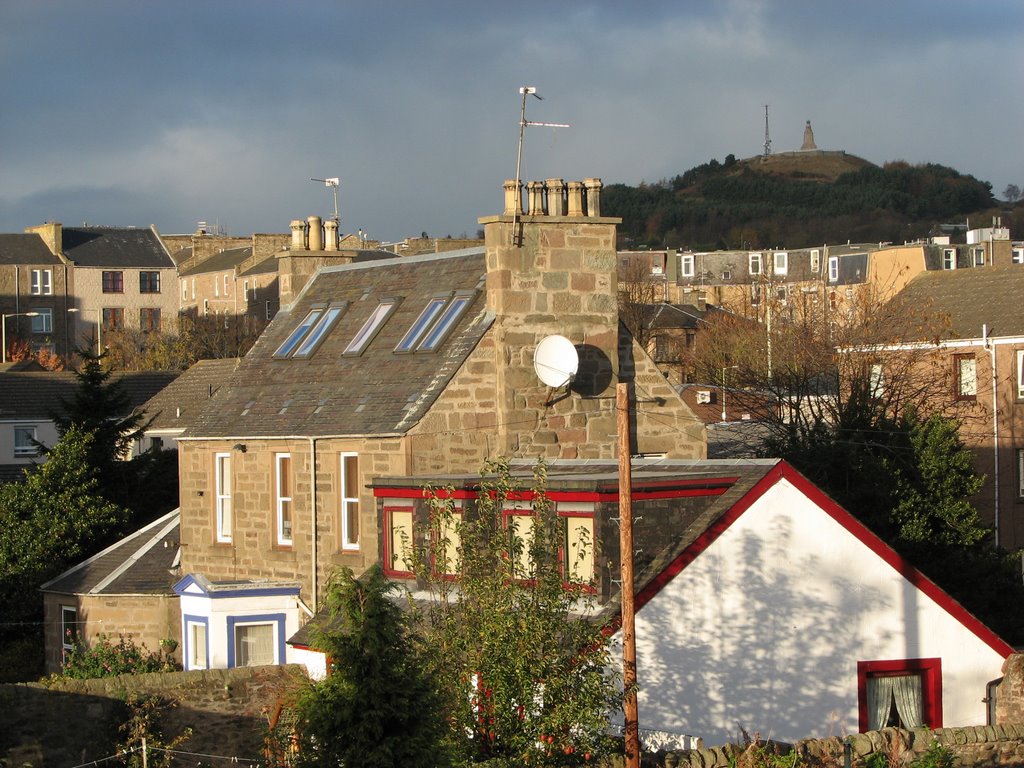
767,138
526,90
333,184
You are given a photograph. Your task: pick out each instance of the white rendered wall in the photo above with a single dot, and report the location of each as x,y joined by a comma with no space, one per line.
764,629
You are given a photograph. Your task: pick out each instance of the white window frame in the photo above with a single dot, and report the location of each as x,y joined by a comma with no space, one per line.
24,450
227,285
833,269
42,322
193,289
876,380
578,569
222,482
348,501
1020,374
979,257
780,262
966,376
42,282
234,639
69,633
184,290
1017,256
949,258
815,260
754,264
285,538
245,290
686,264
198,652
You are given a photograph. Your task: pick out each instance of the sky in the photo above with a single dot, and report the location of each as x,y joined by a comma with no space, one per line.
138,113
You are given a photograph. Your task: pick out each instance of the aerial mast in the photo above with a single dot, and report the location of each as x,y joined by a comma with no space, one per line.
333,184
767,138
526,90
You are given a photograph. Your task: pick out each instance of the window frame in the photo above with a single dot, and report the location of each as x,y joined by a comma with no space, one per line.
41,282
1020,473
316,335
275,620
930,670
1017,255
445,324
391,555
348,502
1020,373
42,321
223,517
780,262
284,500
522,566
833,269
423,322
30,449
373,324
979,252
451,535
815,260
754,264
112,281
189,655
568,511
113,318
147,315
959,379
69,630
291,341
949,258
687,263
149,281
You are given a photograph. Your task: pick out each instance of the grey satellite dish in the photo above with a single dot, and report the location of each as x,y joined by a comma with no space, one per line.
555,360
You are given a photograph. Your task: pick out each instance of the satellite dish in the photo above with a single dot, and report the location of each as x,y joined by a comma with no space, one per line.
555,360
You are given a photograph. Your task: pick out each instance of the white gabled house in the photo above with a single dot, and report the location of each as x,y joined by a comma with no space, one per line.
784,615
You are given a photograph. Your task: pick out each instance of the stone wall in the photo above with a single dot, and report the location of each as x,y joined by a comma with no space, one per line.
75,721
977,747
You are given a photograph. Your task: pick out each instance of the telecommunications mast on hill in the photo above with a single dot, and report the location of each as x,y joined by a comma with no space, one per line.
767,138
526,90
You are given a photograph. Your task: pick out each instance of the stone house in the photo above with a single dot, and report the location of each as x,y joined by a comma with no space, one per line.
979,356
35,279
122,278
760,603
399,367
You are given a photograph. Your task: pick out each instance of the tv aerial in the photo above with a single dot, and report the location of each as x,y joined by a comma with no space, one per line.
526,90
556,361
333,184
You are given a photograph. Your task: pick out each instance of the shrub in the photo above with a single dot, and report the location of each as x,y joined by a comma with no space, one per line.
107,659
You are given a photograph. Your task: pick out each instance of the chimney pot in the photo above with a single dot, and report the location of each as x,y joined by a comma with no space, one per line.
536,193
575,199
316,234
330,235
513,198
556,197
594,187
298,235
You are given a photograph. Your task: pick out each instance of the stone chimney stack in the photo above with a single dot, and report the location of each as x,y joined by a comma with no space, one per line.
551,271
298,235
52,234
314,244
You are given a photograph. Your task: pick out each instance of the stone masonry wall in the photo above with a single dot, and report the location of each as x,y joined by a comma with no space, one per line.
76,721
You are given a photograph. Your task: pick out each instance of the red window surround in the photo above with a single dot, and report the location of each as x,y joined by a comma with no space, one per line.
931,686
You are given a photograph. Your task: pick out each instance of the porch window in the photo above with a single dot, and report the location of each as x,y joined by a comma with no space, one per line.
254,645
450,541
578,542
521,525
198,650
904,693
68,630
398,541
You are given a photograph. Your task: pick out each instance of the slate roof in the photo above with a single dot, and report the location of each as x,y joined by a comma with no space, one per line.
25,249
224,261
142,563
668,315
115,247
970,298
377,392
177,405
37,394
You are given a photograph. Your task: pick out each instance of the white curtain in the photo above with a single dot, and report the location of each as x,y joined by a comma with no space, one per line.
905,690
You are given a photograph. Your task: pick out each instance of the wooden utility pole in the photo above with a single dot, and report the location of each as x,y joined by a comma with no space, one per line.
629,679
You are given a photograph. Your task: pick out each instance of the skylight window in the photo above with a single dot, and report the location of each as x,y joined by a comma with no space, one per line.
293,339
372,325
316,336
455,309
424,321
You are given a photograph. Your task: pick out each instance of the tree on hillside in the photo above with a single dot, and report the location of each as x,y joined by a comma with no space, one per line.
524,672
376,708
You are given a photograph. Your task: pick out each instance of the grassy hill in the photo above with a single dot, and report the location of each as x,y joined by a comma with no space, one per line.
793,200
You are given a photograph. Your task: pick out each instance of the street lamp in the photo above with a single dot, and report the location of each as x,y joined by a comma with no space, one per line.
724,369
99,327
3,329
